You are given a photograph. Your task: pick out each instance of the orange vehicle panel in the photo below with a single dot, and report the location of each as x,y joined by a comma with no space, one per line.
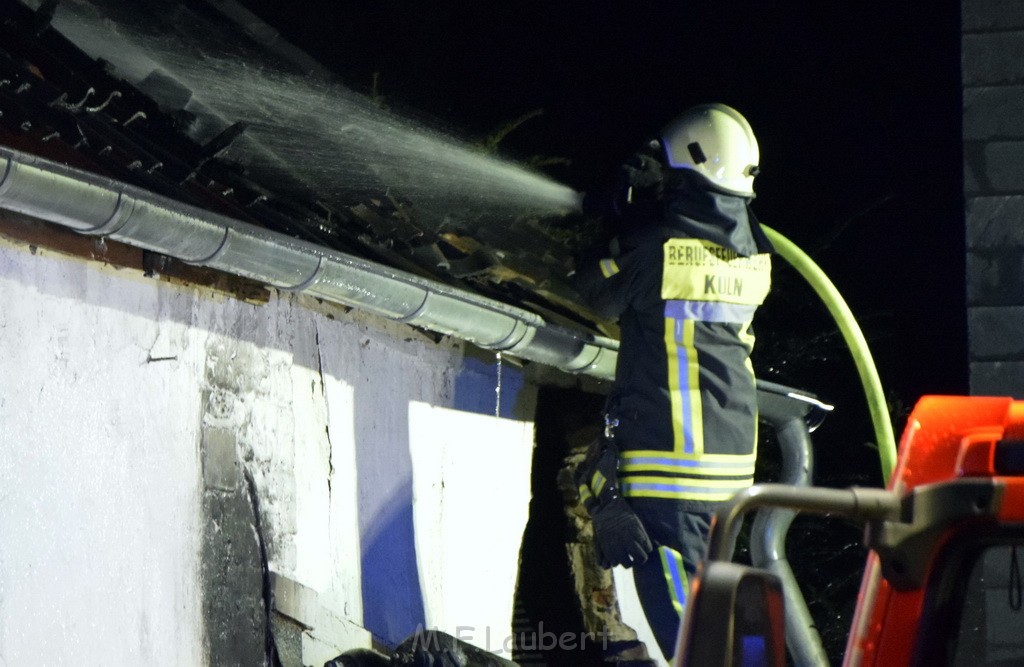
946,437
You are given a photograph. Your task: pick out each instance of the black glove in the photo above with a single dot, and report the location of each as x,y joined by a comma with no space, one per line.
619,537
597,476
642,184
638,183
644,173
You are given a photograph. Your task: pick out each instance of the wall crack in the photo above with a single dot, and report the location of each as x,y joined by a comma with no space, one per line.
327,421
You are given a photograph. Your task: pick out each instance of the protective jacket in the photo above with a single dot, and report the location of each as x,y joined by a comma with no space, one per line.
684,284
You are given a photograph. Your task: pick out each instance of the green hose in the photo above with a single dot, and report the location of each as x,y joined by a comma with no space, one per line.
854,338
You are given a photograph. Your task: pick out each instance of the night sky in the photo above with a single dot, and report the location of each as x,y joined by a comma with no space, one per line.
857,108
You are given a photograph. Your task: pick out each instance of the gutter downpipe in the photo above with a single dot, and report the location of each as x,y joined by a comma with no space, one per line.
100,206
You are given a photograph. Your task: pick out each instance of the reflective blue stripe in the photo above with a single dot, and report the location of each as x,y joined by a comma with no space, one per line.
630,487
709,311
684,463
672,561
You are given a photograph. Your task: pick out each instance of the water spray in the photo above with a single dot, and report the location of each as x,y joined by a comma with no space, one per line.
304,130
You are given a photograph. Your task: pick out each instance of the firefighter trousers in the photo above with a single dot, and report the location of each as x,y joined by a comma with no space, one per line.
662,582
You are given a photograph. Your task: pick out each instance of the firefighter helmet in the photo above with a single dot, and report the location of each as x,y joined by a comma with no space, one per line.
715,141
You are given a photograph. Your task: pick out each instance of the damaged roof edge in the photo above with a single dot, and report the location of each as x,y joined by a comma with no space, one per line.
96,205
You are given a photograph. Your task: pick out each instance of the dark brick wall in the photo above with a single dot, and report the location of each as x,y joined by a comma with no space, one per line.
993,79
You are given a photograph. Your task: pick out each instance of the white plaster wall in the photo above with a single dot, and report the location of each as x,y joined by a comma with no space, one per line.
99,476
468,481
632,613
107,380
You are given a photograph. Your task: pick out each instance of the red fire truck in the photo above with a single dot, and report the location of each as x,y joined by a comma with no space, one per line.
942,584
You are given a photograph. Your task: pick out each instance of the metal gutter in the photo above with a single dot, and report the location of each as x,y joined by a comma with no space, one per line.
96,205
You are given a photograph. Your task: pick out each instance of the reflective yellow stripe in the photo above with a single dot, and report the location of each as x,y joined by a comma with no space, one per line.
675,578
585,493
747,336
684,387
696,404
702,469
674,390
597,483
733,484
670,462
703,271
608,267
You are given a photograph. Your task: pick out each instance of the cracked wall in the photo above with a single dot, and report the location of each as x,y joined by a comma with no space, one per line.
197,476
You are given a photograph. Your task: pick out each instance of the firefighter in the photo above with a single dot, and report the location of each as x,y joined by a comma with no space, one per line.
684,275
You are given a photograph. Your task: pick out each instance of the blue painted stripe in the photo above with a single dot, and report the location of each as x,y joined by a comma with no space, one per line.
392,593
709,311
475,384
